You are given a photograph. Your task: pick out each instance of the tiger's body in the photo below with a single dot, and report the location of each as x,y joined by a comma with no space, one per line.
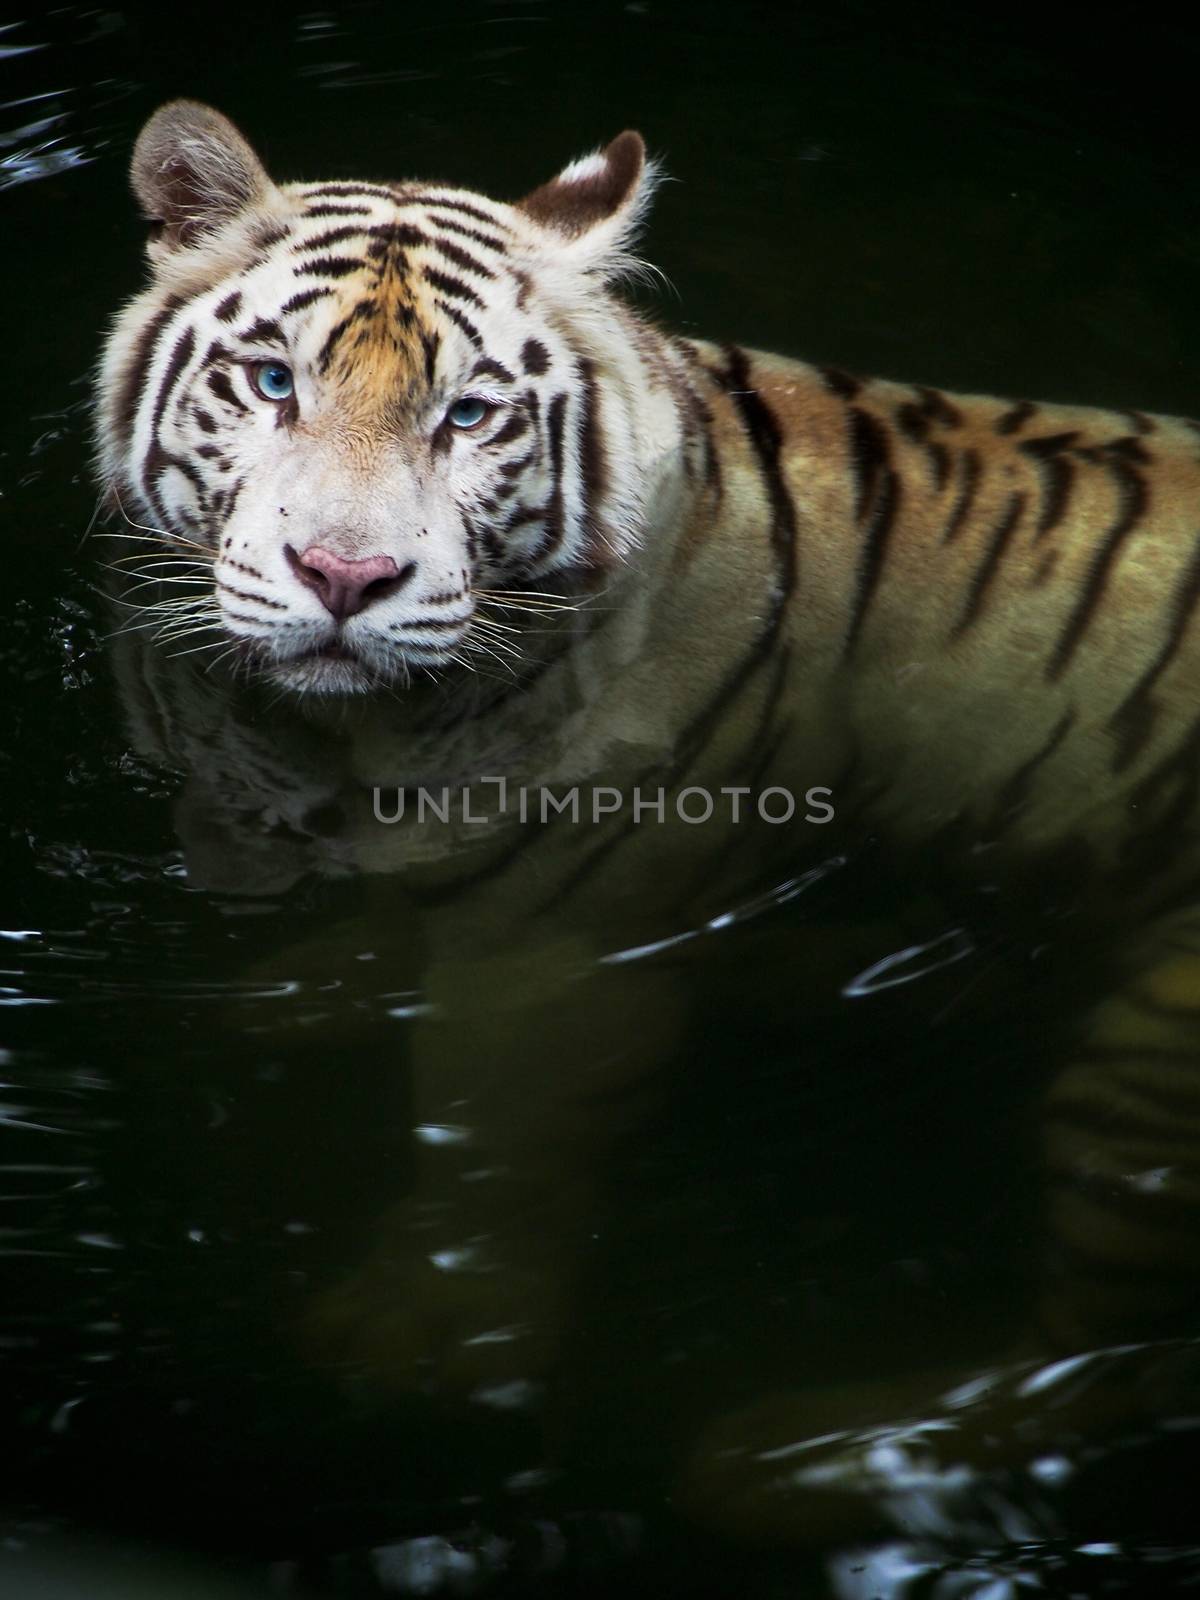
367,413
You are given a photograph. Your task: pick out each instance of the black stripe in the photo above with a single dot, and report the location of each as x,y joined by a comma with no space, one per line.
1133,720
148,486
268,234
462,321
513,428
1128,449
454,287
430,341
938,408
246,594
134,374
493,546
185,347
374,191
472,538
460,206
205,421
431,624
520,515
321,241
554,509
325,355
163,461
869,458
263,331
490,240
397,236
514,469
913,421
841,383
218,382
487,367
338,211
1048,444
229,307
930,408
461,258
328,267
966,496
1134,497
873,554
1015,419
535,358
592,462
712,456
305,298
1058,477
986,570
762,428
244,566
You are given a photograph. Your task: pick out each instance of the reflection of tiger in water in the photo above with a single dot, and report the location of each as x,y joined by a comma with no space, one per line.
409,461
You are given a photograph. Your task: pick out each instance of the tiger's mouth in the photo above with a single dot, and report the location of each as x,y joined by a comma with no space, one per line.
340,666
304,657
330,669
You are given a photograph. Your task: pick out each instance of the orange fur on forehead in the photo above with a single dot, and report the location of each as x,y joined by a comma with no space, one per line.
380,349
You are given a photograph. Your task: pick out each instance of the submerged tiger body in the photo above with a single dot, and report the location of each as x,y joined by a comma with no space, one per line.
398,432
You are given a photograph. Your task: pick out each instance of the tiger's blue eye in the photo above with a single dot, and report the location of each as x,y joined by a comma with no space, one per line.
467,412
273,380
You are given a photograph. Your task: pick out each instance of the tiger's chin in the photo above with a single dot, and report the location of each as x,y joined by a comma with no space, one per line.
332,668
339,668
320,674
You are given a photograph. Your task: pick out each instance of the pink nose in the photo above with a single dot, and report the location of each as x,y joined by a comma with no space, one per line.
346,587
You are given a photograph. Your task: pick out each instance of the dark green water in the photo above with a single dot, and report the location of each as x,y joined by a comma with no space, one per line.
189,1152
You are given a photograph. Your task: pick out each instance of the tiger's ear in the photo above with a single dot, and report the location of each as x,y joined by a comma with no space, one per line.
596,205
193,171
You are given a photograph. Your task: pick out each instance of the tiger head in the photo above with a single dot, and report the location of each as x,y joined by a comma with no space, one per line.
361,408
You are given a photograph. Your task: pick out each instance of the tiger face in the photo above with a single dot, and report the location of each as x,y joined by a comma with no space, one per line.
359,407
